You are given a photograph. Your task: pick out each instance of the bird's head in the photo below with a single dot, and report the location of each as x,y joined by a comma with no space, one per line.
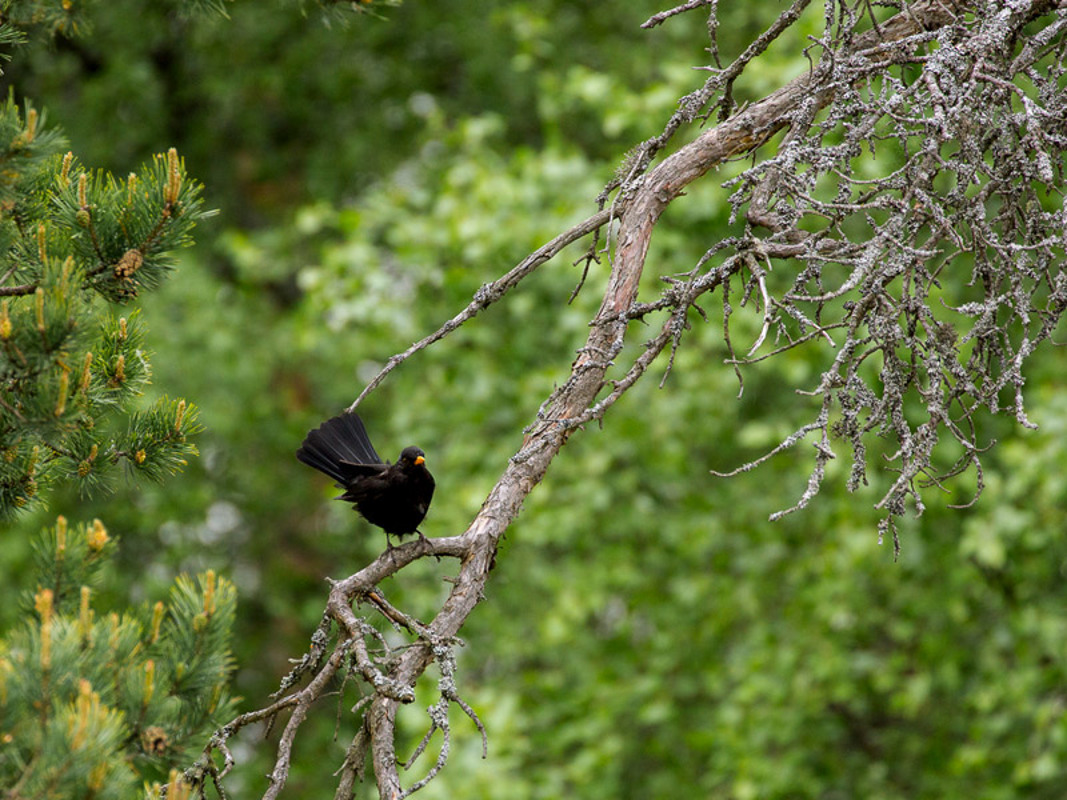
412,457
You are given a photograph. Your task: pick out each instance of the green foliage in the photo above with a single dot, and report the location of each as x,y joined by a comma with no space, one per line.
645,630
205,7
71,240
51,16
96,704
305,111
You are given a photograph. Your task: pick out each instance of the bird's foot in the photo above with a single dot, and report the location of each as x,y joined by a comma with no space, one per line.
427,542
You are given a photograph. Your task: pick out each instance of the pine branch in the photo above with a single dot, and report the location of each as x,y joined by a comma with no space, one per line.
92,699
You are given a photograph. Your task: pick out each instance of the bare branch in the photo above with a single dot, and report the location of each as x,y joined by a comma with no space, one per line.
663,16
491,293
855,262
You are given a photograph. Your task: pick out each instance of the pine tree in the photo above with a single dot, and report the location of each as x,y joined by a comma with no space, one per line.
75,247
93,703
96,704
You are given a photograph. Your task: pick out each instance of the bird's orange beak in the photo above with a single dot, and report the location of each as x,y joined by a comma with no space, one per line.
419,460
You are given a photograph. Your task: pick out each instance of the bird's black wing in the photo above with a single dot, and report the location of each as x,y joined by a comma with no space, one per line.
427,493
341,448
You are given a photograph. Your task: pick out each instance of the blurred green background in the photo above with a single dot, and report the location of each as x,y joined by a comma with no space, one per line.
647,632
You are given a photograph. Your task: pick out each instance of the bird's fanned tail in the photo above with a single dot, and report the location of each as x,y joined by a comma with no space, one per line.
336,445
395,497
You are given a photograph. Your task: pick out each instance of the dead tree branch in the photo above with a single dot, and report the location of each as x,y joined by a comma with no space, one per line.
972,114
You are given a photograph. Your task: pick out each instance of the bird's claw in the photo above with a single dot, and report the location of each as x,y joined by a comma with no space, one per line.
427,542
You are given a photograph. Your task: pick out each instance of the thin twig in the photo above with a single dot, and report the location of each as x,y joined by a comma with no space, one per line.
492,292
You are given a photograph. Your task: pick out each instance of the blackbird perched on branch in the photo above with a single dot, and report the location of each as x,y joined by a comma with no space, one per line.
395,497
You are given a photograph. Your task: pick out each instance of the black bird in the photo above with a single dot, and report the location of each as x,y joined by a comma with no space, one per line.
395,497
